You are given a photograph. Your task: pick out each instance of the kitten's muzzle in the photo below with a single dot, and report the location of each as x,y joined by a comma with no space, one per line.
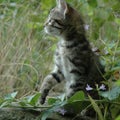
49,22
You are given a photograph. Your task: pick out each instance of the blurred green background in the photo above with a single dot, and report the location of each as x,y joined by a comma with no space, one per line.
26,52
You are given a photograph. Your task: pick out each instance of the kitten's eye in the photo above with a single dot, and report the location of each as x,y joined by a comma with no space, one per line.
59,22
50,22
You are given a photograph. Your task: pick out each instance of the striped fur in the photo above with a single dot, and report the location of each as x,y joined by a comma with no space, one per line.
74,60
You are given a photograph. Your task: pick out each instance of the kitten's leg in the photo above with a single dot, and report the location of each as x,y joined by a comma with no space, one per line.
79,83
47,84
50,81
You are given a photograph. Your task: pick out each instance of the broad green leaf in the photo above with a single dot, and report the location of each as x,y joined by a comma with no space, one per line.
22,103
46,113
117,20
116,7
92,3
11,96
118,82
118,118
76,106
34,99
5,104
51,101
96,108
1,100
111,17
113,94
106,1
14,94
99,21
52,109
53,47
77,97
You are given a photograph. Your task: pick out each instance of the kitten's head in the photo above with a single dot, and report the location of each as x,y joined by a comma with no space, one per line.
63,19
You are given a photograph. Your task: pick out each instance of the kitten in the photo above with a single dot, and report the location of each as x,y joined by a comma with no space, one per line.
74,60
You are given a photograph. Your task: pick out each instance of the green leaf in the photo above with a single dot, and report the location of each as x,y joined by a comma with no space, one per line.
117,20
77,106
77,97
96,108
11,96
51,101
1,100
106,1
34,99
14,94
52,109
111,17
47,113
5,104
118,118
22,103
99,21
92,3
53,47
118,82
116,7
112,94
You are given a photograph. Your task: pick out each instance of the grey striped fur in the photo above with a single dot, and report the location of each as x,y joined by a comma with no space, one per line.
74,61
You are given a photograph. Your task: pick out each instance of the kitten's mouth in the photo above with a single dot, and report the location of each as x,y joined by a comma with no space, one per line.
53,26
56,27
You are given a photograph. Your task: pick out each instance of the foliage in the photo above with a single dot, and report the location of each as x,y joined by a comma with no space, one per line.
112,94
26,55
74,105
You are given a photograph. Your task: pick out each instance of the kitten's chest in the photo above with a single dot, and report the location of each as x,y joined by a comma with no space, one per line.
63,61
63,57
63,51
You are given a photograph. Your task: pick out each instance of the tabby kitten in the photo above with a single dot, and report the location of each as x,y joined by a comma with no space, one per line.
74,60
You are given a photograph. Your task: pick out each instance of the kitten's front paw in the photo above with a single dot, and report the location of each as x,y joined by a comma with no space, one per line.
44,94
42,100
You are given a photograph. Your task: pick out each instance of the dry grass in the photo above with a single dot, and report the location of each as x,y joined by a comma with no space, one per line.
24,58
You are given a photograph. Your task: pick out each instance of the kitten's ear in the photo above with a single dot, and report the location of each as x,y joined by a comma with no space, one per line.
62,5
